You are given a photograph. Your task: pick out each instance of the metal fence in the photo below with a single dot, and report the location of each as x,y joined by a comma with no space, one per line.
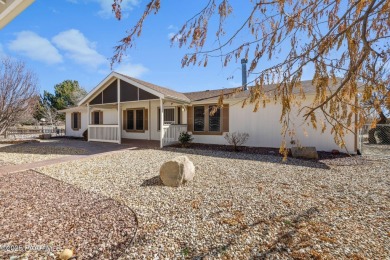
24,133
375,141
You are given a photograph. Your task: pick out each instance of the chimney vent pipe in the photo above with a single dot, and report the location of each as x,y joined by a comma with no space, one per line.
244,79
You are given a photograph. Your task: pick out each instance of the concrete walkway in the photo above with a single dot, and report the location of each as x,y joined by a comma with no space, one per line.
34,165
94,149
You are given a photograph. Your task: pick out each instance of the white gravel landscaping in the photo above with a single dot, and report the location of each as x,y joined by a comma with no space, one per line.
36,151
242,206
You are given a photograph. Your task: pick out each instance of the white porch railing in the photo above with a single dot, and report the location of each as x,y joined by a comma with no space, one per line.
172,132
103,133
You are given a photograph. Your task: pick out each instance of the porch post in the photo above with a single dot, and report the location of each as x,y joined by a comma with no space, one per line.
119,112
149,121
89,120
161,123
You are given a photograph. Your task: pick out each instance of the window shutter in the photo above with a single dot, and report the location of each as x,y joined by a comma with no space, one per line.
78,121
158,119
100,117
72,120
124,119
146,119
190,119
179,115
225,118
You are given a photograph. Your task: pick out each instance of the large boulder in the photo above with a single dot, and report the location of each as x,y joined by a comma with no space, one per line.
304,152
177,171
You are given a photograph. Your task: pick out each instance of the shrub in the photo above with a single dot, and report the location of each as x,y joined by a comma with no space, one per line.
185,138
85,135
236,139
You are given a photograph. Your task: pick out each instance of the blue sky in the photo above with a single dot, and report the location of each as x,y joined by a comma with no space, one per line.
74,39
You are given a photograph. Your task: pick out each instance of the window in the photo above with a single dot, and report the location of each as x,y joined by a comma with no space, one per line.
207,119
130,120
200,122
214,120
76,120
169,117
136,120
97,118
199,117
139,119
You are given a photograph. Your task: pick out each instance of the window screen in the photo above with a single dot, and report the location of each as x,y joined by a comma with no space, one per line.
199,118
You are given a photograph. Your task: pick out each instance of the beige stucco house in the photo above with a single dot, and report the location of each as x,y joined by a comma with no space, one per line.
141,106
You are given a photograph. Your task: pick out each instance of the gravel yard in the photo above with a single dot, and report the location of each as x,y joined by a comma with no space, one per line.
37,151
41,216
245,205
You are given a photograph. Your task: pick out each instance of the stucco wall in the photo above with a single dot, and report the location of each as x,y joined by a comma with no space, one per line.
84,123
110,116
264,129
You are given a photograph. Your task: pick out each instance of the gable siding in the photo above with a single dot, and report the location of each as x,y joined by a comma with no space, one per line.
128,92
97,100
110,94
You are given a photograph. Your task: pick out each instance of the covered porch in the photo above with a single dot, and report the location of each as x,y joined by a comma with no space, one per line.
137,114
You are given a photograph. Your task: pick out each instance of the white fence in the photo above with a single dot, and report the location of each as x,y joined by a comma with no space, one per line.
172,133
103,133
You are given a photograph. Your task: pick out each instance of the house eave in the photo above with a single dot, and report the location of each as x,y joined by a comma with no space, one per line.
13,9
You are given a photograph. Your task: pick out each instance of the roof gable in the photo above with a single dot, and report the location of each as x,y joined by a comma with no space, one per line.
146,91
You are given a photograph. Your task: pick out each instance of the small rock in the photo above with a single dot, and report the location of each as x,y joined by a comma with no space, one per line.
66,254
177,171
304,152
335,152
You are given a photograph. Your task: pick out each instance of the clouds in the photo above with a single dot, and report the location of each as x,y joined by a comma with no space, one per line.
106,7
79,49
67,45
66,48
173,31
35,47
130,69
105,10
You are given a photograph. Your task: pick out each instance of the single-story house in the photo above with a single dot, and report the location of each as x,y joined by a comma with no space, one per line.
142,105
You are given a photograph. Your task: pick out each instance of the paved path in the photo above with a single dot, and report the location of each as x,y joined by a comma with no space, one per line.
34,165
94,148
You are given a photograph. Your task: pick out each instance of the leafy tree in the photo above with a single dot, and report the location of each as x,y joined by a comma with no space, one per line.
346,42
66,94
18,92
